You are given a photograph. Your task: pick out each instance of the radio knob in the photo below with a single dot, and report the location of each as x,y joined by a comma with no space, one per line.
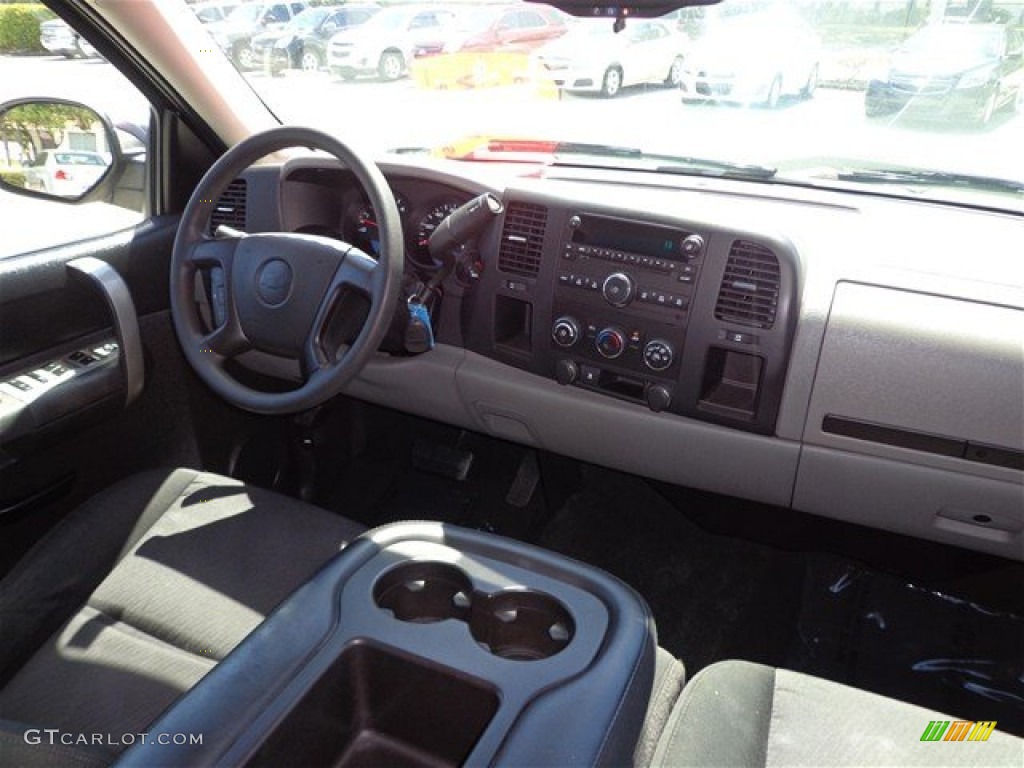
610,343
692,246
658,355
618,289
565,331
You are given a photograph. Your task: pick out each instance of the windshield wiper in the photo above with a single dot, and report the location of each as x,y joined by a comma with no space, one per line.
681,164
930,178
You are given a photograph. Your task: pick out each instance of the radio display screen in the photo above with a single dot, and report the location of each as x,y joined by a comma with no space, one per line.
629,236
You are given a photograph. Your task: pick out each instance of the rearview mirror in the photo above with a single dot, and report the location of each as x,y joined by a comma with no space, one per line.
622,9
54,148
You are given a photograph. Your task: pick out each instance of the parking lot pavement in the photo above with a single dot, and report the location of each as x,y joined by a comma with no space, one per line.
380,116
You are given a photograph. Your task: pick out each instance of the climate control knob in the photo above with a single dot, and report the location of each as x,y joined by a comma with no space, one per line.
565,331
610,343
618,289
658,355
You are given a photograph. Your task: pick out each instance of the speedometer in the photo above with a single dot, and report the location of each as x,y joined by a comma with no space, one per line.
365,232
427,224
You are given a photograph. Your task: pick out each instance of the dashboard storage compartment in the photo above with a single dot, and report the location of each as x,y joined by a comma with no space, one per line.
376,707
423,644
732,383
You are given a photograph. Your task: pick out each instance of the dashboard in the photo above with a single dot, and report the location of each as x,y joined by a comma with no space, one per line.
834,353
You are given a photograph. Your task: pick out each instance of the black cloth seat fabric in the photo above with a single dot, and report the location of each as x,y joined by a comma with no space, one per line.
735,713
135,596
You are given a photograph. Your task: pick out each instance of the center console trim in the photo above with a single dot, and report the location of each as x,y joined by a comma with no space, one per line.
539,721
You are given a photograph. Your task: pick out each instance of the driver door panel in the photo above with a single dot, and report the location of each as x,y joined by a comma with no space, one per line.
70,433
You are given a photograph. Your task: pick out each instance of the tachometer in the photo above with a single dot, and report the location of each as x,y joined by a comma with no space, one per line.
365,232
430,221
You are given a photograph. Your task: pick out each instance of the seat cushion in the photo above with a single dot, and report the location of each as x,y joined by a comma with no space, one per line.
193,562
669,674
735,713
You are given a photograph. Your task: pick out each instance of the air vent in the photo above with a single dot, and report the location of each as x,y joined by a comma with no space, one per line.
230,207
522,239
750,287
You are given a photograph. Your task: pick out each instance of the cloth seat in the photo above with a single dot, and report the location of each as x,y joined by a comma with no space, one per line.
736,713
134,597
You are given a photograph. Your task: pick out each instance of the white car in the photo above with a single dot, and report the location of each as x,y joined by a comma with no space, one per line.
67,173
592,57
57,37
212,12
756,58
384,45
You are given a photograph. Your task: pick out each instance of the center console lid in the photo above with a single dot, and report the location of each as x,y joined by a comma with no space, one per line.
424,644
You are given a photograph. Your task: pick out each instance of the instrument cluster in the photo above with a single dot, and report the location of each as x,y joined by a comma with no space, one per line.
422,208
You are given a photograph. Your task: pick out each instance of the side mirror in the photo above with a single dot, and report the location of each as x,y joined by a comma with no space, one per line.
55,149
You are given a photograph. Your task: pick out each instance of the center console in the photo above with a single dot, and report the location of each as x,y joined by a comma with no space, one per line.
675,315
428,645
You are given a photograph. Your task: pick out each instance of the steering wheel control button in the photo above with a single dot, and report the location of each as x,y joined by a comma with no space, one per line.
565,332
618,289
610,343
274,282
658,355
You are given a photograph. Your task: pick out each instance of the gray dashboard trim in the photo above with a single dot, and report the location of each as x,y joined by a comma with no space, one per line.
472,391
929,503
928,364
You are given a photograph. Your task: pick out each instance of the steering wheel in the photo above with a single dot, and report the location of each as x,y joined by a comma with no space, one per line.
281,290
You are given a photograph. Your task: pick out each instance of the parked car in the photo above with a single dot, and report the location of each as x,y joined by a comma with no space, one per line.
952,70
500,29
384,45
302,44
57,37
234,35
66,173
753,58
211,12
592,57
489,46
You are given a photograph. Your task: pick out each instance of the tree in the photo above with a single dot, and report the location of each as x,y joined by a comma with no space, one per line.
41,126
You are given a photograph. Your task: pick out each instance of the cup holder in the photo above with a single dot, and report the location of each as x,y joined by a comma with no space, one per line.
522,625
425,592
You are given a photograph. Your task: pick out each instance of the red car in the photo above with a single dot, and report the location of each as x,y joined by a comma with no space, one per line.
501,29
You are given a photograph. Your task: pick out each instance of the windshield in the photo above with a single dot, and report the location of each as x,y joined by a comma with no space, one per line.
388,19
245,13
812,90
310,19
953,39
